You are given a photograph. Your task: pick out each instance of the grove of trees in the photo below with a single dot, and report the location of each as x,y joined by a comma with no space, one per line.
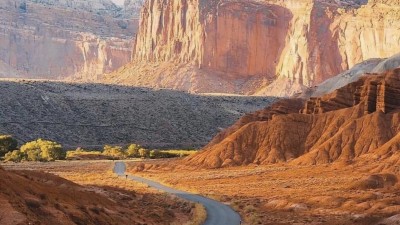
39,150
7,144
46,150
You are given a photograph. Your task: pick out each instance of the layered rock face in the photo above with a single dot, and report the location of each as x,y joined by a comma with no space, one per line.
360,120
243,46
64,39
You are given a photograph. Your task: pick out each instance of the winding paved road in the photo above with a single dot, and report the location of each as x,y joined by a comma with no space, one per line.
217,213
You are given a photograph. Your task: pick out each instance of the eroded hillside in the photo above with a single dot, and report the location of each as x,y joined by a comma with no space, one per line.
32,197
360,121
93,114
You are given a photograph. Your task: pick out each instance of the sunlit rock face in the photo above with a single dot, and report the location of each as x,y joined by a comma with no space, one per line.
72,39
359,121
244,46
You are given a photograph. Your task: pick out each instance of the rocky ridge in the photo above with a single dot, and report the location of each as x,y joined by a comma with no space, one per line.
359,120
91,115
352,75
244,46
64,39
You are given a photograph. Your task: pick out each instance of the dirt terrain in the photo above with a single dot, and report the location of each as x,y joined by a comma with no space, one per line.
97,196
287,194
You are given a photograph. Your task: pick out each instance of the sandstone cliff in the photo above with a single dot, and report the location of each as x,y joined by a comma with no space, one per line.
64,39
243,46
361,119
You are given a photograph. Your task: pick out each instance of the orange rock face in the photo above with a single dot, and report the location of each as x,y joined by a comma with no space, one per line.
45,39
242,46
360,120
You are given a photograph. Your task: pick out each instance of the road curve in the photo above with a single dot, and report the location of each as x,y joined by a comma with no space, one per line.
217,213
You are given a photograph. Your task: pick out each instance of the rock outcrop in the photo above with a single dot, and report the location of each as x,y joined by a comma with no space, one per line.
75,39
243,46
352,75
361,119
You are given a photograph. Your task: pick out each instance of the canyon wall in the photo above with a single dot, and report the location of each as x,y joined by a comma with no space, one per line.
64,39
244,46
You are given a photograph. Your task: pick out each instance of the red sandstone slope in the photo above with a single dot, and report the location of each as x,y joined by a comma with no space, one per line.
29,197
361,119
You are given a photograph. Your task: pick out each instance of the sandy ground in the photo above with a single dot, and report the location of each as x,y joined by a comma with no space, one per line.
281,194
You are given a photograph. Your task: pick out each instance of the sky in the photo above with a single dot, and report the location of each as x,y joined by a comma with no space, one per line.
118,2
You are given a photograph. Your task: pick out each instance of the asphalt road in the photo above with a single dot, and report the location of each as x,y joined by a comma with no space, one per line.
217,213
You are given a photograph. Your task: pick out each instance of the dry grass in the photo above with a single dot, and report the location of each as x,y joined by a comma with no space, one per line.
282,194
199,215
75,153
179,152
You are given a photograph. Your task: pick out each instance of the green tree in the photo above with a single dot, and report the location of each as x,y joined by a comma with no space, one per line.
7,144
114,151
144,153
15,156
133,151
155,154
43,150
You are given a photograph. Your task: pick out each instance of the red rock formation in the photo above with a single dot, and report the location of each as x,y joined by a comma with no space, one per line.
63,39
361,119
242,46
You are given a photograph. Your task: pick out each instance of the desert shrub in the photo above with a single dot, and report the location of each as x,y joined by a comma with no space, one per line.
84,154
7,144
43,150
144,153
176,153
133,151
22,6
114,151
15,156
375,181
154,154
199,215
33,204
122,24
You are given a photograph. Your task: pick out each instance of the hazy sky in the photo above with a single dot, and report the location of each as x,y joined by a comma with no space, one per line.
118,2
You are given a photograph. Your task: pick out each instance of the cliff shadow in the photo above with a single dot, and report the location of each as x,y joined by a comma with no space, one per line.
92,115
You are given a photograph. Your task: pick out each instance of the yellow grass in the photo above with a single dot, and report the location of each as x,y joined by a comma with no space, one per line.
179,152
80,153
199,215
